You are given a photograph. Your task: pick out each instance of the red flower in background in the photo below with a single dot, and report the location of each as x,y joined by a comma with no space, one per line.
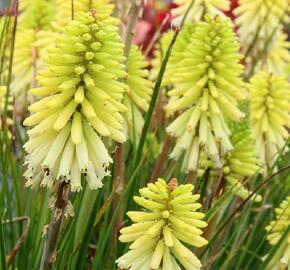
234,4
155,15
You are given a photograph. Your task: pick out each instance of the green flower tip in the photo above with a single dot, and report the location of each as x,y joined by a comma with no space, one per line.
80,98
169,221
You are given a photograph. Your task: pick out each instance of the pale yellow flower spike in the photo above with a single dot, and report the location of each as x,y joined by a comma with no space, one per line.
276,228
199,9
277,56
241,163
208,86
34,35
81,98
264,17
139,92
158,234
270,115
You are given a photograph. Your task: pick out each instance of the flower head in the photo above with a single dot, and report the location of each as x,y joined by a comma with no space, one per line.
276,228
139,92
199,8
277,56
263,18
34,35
158,233
270,114
207,88
242,161
81,98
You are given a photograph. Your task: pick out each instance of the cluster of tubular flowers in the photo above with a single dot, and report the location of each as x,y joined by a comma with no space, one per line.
80,98
277,57
270,115
242,161
263,17
139,92
207,87
159,233
276,228
199,9
34,35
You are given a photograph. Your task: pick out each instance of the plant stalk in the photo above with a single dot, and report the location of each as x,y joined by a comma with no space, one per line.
49,253
159,165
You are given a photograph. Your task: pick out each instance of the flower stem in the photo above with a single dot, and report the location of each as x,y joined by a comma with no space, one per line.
49,252
161,159
128,38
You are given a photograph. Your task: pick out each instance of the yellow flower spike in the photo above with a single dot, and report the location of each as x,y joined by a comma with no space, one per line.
275,230
265,16
139,92
34,35
77,103
199,8
207,88
277,56
270,115
159,233
242,162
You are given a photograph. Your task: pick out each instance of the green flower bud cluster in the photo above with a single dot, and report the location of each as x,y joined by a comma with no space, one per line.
263,17
238,164
270,115
242,161
38,14
276,228
159,232
139,92
207,88
80,96
199,8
